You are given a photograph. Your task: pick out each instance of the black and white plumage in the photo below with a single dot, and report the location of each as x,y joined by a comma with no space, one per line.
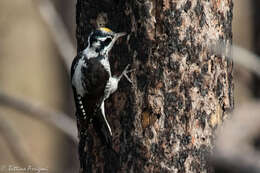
91,77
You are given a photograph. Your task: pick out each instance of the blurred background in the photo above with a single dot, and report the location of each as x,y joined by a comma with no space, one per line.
33,67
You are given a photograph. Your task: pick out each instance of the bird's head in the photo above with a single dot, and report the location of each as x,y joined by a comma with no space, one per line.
102,40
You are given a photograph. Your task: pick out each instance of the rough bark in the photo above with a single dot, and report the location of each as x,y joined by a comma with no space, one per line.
181,90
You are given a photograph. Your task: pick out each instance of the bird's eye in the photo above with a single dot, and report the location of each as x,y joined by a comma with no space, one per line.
92,40
107,41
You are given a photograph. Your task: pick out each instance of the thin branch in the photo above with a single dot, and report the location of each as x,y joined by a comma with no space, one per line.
67,51
58,31
239,55
246,59
57,119
234,147
15,143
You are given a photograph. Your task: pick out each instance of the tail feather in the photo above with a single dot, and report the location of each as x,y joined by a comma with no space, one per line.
102,128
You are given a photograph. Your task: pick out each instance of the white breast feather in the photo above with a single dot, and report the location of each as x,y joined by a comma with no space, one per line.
111,87
106,65
113,84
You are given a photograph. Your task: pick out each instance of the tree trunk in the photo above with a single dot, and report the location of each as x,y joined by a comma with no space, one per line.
181,90
256,43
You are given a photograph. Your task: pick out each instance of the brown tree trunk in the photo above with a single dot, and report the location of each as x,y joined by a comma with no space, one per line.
256,43
181,90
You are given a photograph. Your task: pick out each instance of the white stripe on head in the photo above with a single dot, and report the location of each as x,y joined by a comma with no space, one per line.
89,51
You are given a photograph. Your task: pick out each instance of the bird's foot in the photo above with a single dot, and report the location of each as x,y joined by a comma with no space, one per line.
124,73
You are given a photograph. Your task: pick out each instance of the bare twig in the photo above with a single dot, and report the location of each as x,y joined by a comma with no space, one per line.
239,55
246,59
57,119
58,31
234,148
15,143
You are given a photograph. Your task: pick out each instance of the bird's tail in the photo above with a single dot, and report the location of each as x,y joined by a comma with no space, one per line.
101,128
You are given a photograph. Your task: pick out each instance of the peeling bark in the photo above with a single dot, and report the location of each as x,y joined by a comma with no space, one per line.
181,92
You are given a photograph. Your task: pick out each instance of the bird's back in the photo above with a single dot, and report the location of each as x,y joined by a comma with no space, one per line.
95,78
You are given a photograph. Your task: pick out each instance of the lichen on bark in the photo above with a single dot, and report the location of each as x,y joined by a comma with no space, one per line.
181,91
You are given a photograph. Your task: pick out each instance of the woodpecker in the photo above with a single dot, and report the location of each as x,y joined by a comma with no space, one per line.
91,78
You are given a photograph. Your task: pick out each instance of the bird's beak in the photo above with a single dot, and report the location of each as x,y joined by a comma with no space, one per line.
116,36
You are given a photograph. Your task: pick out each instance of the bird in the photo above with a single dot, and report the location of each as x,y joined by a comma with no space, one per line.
91,78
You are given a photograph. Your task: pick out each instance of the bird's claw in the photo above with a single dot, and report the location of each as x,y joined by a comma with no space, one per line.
124,73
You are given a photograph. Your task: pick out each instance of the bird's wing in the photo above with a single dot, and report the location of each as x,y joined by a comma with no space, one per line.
95,81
